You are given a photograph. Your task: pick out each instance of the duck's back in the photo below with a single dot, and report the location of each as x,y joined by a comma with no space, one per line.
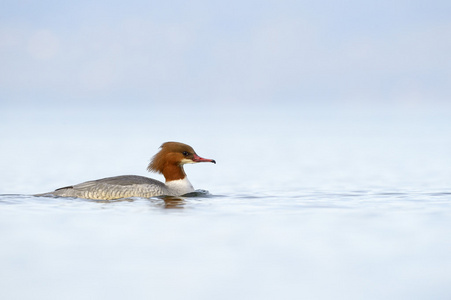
113,188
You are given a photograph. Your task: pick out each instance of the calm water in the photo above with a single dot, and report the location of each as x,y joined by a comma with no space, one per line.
323,206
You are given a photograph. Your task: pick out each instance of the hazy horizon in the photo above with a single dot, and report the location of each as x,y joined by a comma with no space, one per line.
222,55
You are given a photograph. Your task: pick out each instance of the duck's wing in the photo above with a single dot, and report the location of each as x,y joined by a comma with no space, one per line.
113,188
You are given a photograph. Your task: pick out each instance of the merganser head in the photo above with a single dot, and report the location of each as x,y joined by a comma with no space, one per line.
174,154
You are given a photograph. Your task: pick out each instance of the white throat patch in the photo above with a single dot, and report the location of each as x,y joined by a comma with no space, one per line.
186,161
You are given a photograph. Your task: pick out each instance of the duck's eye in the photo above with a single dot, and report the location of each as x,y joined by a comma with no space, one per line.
185,153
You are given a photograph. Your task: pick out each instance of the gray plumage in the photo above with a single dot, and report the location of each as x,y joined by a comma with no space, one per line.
113,188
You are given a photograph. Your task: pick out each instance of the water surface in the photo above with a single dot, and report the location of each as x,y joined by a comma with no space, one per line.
310,208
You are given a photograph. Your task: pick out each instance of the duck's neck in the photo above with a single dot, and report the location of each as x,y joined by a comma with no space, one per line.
176,180
173,172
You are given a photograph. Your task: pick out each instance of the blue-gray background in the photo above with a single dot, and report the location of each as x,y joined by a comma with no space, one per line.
215,54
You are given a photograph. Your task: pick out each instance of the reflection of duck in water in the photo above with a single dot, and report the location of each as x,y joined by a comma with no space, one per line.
173,202
169,162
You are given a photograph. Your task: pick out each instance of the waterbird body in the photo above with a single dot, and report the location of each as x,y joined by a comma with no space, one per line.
168,161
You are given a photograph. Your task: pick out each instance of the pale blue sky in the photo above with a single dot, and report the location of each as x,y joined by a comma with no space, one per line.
225,53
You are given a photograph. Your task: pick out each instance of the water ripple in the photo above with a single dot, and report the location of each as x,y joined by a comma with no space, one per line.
288,202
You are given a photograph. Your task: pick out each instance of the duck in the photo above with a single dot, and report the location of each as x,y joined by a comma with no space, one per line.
169,161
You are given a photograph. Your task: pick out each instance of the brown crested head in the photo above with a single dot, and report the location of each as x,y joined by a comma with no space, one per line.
174,154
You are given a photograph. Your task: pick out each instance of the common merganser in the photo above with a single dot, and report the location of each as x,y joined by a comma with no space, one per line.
169,162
